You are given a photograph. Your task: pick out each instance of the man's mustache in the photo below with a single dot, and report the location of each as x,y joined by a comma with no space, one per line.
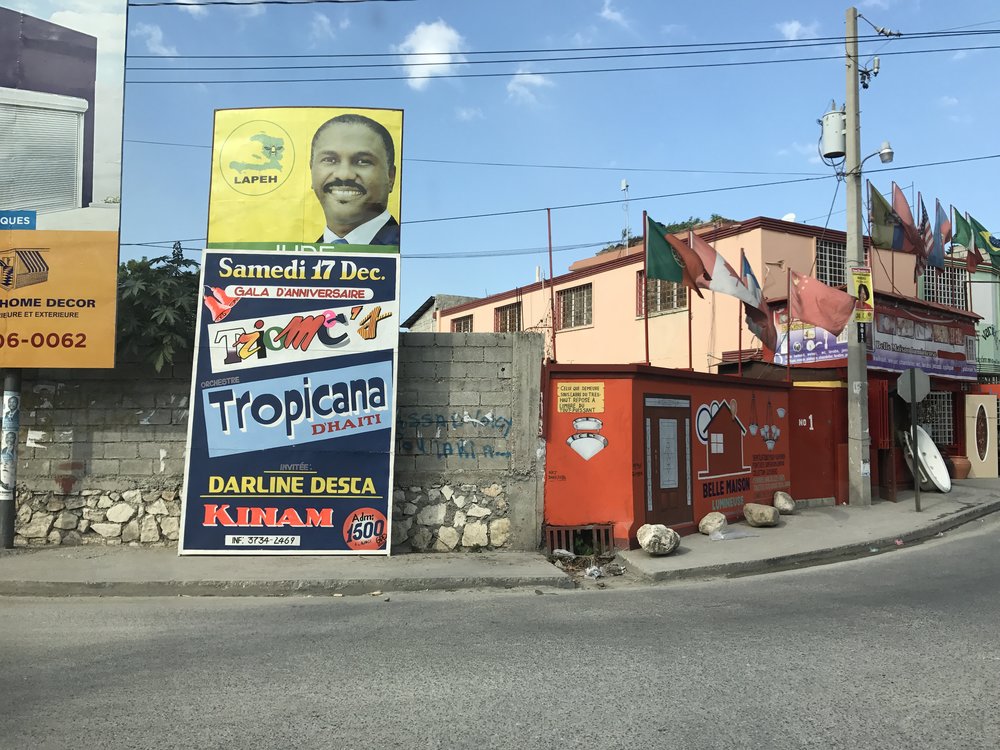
336,183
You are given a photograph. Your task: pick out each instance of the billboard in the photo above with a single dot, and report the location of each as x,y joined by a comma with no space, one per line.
292,404
806,343
57,298
305,178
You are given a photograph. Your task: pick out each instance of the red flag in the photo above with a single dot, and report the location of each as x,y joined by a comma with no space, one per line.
694,269
812,301
912,241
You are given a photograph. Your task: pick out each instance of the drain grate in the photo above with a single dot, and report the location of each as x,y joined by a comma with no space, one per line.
599,537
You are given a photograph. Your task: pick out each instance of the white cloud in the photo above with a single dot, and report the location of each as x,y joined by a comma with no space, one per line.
467,114
153,35
198,11
321,28
796,29
948,101
880,4
522,87
614,16
109,28
435,43
802,149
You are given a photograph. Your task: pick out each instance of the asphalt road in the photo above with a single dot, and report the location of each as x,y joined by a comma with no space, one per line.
895,651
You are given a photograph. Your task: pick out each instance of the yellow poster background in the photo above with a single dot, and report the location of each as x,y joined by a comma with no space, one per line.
58,294
864,310
285,210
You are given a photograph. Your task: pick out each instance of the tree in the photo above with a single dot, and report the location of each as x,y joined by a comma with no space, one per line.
692,222
157,307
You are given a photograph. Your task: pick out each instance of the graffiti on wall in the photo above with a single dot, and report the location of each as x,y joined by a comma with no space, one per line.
465,434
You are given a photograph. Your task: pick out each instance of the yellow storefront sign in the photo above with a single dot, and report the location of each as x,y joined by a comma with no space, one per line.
580,398
57,298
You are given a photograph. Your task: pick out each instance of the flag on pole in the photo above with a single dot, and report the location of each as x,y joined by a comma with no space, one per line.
886,228
759,319
670,259
812,301
926,234
986,241
911,239
723,278
963,238
942,236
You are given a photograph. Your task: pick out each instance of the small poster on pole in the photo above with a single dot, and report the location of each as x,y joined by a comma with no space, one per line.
861,280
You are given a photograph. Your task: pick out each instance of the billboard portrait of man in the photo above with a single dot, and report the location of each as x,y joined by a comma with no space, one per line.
352,163
305,175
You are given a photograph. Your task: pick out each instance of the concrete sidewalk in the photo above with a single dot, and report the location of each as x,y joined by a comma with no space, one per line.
819,535
809,537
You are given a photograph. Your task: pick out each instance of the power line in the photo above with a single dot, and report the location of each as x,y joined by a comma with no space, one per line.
780,43
536,166
183,4
636,69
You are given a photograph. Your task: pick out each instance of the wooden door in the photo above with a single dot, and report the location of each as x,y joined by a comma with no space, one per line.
668,465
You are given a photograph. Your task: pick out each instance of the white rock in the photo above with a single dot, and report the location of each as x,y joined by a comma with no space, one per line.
784,502
150,531
75,501
459,520
120,513
54,537
132,496
105,502
409,509
448,492
432,515
493,490
130,532
500,532
421,539
657,539
760,515
713,521
475,535
38,527
460,501
170,527
157,507
23,514
67,520
401,531
475,511
447,539
107,530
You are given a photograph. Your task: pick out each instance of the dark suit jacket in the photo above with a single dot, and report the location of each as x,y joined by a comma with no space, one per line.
387,235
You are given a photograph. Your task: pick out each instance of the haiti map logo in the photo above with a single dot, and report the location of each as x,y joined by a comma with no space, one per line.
256,158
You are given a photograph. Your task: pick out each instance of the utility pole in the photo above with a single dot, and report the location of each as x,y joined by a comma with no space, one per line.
858,439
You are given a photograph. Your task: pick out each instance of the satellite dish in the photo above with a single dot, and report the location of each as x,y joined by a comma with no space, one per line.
788,217
933,471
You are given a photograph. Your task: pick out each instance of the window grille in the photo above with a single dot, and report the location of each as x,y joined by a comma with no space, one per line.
575,307
661,296
718,442
462,325
831,262
948,287
507,318
936,412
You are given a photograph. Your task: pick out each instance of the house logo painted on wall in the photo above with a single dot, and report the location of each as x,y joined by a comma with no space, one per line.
587,442
721,432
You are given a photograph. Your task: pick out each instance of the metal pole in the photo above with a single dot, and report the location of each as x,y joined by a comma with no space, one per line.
552,287
8,456
913,440
858,478
645,284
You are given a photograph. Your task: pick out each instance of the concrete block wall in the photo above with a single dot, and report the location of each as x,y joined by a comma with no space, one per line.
101,456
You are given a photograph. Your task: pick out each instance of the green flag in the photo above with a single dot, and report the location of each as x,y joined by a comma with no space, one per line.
963,232
986,241
661,262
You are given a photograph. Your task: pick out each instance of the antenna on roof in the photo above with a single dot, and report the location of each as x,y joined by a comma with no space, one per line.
627,234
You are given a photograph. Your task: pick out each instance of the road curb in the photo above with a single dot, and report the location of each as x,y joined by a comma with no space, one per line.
820,556
290,587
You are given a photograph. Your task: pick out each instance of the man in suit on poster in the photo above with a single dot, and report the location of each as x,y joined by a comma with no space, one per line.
353,167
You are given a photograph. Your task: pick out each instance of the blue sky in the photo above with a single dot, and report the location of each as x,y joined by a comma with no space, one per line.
745,118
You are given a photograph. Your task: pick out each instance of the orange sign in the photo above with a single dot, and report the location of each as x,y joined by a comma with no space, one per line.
57,298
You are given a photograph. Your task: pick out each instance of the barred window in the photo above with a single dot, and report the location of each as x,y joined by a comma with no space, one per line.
507,318
947,287
936,411
462,325
661,296
575,307
831,262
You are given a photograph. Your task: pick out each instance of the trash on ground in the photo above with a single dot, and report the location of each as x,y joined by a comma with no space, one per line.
939,534
873,549
613,569
594,572
899,542
562,554
376,593
724,535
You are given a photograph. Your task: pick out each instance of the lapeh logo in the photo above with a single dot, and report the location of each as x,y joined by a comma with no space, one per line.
21,267
256,158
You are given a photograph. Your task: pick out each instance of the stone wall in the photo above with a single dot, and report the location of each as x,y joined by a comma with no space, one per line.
101,456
